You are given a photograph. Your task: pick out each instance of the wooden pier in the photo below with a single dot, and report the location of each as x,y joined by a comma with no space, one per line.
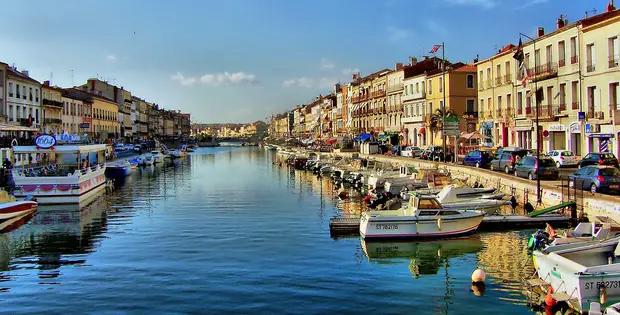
347,226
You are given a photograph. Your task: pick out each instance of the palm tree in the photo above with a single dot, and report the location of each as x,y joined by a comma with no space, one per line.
436,119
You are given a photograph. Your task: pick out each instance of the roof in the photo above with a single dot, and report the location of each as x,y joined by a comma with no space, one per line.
15,73
466,68
599,18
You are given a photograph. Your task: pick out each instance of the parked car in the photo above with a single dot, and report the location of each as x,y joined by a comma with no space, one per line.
596,178
527,166
506,159
599,158
563,158
411,152
437,154
477,158
425,155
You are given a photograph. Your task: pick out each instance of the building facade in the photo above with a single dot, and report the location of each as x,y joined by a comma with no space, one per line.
105,118
3,108
77,112
23,98
52,109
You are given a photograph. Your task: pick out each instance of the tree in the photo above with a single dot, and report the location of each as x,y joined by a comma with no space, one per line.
436,120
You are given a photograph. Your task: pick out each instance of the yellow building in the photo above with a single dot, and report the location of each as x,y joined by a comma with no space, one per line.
460,97
377,104
105,118
600,59
52,108
3,114
496,97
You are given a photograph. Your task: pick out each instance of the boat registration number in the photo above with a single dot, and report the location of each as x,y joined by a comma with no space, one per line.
387,226
599,284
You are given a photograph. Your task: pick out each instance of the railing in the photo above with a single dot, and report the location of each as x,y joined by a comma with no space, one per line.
561,63
590,67
562,107
52,103
590,113
544,111
575,105
508,112
507,78
545,69
489,84
399,108
499,113
471,114
52,121
614,60
574,59
498,81
395,87
379,93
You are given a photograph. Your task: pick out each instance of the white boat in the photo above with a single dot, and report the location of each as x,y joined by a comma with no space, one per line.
423,217
118,169
61,180
581,274
149,160
175,154
11,208
157,156
466,198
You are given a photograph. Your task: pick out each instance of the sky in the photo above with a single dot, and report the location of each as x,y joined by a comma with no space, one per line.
243,60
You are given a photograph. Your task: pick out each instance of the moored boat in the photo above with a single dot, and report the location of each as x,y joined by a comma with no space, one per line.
118,169
157,156
11,208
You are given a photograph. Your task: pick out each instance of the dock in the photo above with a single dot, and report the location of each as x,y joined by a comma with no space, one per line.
347,226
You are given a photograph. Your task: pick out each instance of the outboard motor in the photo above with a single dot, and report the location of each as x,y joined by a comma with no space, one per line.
538,241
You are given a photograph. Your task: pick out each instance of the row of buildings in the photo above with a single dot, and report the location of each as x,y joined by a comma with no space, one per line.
569,76
226,130
96,108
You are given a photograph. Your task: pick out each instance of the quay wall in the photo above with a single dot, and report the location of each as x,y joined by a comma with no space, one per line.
591,204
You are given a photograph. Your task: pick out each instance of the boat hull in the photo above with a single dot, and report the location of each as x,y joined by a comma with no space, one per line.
394,227
14,209
117,172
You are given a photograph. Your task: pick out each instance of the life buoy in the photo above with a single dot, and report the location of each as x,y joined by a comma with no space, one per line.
14,143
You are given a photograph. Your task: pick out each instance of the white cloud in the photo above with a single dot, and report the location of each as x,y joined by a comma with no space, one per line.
397,34
226,78
303,82
110,58
327,82
326,64
533,2
482,3
182,79
350,71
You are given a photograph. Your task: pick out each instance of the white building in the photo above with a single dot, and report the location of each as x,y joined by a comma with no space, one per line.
394,98
414,99
23,101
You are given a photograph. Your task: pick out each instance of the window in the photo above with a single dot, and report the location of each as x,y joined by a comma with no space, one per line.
614,90
590,58
561,54
36,95
30,93
498,74
417,87
489,105
537,57
471,106
508,101
591,95
613,51
10,90
575,94
24,90
550,95
480,76
470,81
549,54
562,96
36,115
573,50
430,86
17,90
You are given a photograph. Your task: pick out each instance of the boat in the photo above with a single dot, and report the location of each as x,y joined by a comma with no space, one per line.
136,161
584,232
59,178
118,169
583,274
270,147
423,217
121,151
190,148
467,198
11,208
175,154
149,159
157,156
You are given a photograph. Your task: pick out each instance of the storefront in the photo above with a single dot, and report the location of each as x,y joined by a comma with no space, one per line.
575,137
524,133
486,129
557,137
600,138
415,134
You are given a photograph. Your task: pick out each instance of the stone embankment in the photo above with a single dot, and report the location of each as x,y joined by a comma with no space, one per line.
524,190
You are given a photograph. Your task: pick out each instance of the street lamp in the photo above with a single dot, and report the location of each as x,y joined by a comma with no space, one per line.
537,104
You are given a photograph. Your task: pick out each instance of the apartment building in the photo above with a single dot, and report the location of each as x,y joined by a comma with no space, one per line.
52,108
394,90
77,111
23,98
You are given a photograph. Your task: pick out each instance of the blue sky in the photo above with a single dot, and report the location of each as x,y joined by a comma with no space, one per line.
241,60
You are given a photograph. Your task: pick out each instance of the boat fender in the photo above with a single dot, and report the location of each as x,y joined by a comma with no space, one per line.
513,202
549,301
603,294
478,276
439,224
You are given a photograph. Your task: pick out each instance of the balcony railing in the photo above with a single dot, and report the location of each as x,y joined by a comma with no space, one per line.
614,61
507,78
399,108
519,110
52,103
575,106
561,63
590,113
470,115
57,121
498,81
499,113
544,111
489,84
545,70
379,93
508,112
395,87
590,67
574,59
562,107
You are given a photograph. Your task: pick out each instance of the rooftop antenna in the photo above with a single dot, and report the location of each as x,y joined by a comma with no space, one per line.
593,11
72,78
51,77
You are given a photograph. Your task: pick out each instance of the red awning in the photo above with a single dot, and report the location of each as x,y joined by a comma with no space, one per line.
422,131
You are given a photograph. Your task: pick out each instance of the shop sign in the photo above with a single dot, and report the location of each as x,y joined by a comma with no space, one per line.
45,141
523,125
557,128
574,128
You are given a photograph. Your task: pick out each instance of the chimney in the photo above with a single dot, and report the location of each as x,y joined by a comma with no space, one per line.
560,23
476,59
399,66
25,72
541,31
46,83
413,61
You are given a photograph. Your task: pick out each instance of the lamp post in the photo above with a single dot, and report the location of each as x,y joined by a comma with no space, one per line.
537,104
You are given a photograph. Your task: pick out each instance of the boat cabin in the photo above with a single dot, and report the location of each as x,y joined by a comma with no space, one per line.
427,205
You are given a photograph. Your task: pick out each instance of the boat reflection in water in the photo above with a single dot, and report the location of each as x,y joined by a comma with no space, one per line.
8,226
426,256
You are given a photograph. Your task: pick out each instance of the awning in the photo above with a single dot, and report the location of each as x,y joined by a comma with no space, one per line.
422,131
7,127
383,137
363,137
473,135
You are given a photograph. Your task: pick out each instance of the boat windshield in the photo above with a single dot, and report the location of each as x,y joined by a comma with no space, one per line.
428,204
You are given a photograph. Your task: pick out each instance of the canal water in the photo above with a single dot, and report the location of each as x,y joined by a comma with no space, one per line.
226,230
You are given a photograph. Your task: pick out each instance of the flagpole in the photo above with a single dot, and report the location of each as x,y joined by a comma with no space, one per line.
443,110
538,138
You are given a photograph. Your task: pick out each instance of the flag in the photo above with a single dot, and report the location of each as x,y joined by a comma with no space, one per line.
435,49
519,53
356,76
522,66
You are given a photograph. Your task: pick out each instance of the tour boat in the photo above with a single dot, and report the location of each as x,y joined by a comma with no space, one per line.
424,217
157,156
583,274
59,177
118,169
11,208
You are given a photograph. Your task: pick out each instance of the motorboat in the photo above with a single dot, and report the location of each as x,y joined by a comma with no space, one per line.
118,169
11,208
583,274
148,159
158,156
61,180
175,154
467,198
423,217
136,161
190,148
584,232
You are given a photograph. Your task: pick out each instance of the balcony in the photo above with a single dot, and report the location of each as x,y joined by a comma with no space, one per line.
489,84
379,93
544,71
575,106
470,115
52,103
508,113
574,59
25,122
52,121
614,61
561,63
398,108
519,110
545,112
590,67
507,78
481,114
395,87
562,107
498,81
